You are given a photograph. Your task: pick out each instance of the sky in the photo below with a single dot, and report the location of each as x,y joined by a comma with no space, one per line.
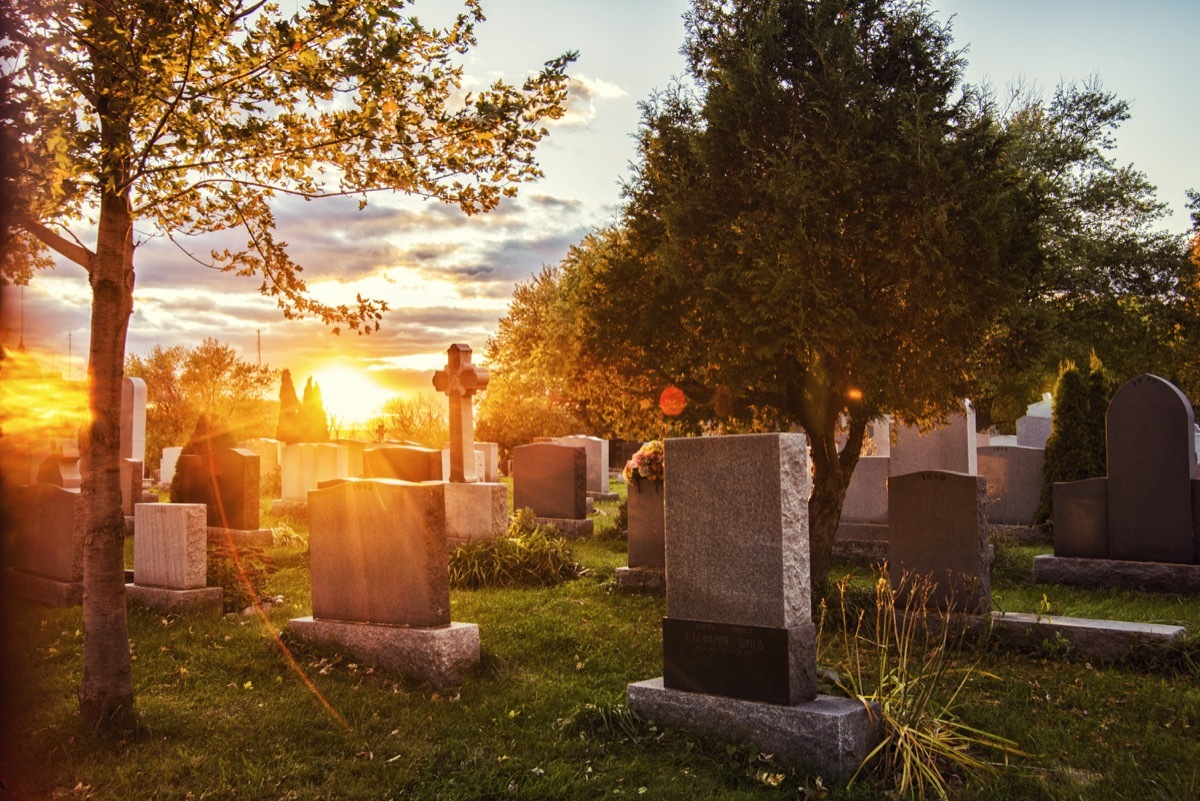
449,278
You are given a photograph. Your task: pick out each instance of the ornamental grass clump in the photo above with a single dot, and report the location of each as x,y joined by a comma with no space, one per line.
906,663
527,555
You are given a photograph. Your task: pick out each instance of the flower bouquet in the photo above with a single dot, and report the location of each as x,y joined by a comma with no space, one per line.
646,463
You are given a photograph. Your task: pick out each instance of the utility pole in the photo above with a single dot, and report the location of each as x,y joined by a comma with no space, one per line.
259,331
68,355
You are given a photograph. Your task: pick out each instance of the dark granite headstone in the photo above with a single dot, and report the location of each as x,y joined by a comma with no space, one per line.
236,474
551,480
227,483
938,528
1081,518
748,662
1151,466
403,462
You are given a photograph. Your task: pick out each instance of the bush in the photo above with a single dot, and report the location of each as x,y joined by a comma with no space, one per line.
1075,449
527,555
240,572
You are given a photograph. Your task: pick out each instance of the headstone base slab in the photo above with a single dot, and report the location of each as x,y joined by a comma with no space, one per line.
603,496
828,737
642,579
129,528
1101,639
41,590
283,507
440,656
861,543
204,601
569,528
1110,573
257,538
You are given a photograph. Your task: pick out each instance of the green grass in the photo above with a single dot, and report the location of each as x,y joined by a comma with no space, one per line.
223,714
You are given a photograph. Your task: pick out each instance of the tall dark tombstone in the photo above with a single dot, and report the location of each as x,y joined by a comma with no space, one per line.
236,486
1151,465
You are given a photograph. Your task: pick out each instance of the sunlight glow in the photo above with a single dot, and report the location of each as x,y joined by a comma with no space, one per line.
350,394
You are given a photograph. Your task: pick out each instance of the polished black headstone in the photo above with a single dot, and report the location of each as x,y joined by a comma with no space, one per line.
748,662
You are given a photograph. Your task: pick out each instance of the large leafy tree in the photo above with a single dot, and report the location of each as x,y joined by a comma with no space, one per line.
1111,283
825,229
188,117
210,379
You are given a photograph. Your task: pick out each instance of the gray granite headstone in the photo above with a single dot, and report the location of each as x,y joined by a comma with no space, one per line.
550,479
227,482
1014,480
739,617
133,419
951,446
597,460
938,529
378,554
1151,465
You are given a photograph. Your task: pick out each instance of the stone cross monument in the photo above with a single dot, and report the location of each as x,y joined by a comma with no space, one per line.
460,380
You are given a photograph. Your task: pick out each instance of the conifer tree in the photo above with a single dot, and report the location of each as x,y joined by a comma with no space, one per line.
289,410
1069,450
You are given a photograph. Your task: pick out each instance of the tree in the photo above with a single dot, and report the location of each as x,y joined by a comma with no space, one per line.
420,419
188,117
314,426
542,383
827,228
1072,454
288,430
1110,282
209,379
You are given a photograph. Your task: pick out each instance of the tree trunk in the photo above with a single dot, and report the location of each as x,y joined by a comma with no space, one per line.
106,692
831,476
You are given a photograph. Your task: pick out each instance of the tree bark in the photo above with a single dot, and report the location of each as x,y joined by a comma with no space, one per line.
831,477
106,691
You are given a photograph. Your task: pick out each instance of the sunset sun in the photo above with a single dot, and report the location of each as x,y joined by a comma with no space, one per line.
349,394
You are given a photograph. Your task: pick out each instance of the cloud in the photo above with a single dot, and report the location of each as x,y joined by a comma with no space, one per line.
582,94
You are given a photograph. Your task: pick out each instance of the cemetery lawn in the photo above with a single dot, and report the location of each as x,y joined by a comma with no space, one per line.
228,711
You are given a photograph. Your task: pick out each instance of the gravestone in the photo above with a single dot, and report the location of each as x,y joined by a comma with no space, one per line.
480,462
131,471
166,470
380,584
951,447
938,524
597,464
268,454
304,465
620,451
646,530
551,479
460,380
170,560
133,419
60,471
1014,482
1081,518
227,483
1151,466
738,638
46,548
403,463
1033,429
354,455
